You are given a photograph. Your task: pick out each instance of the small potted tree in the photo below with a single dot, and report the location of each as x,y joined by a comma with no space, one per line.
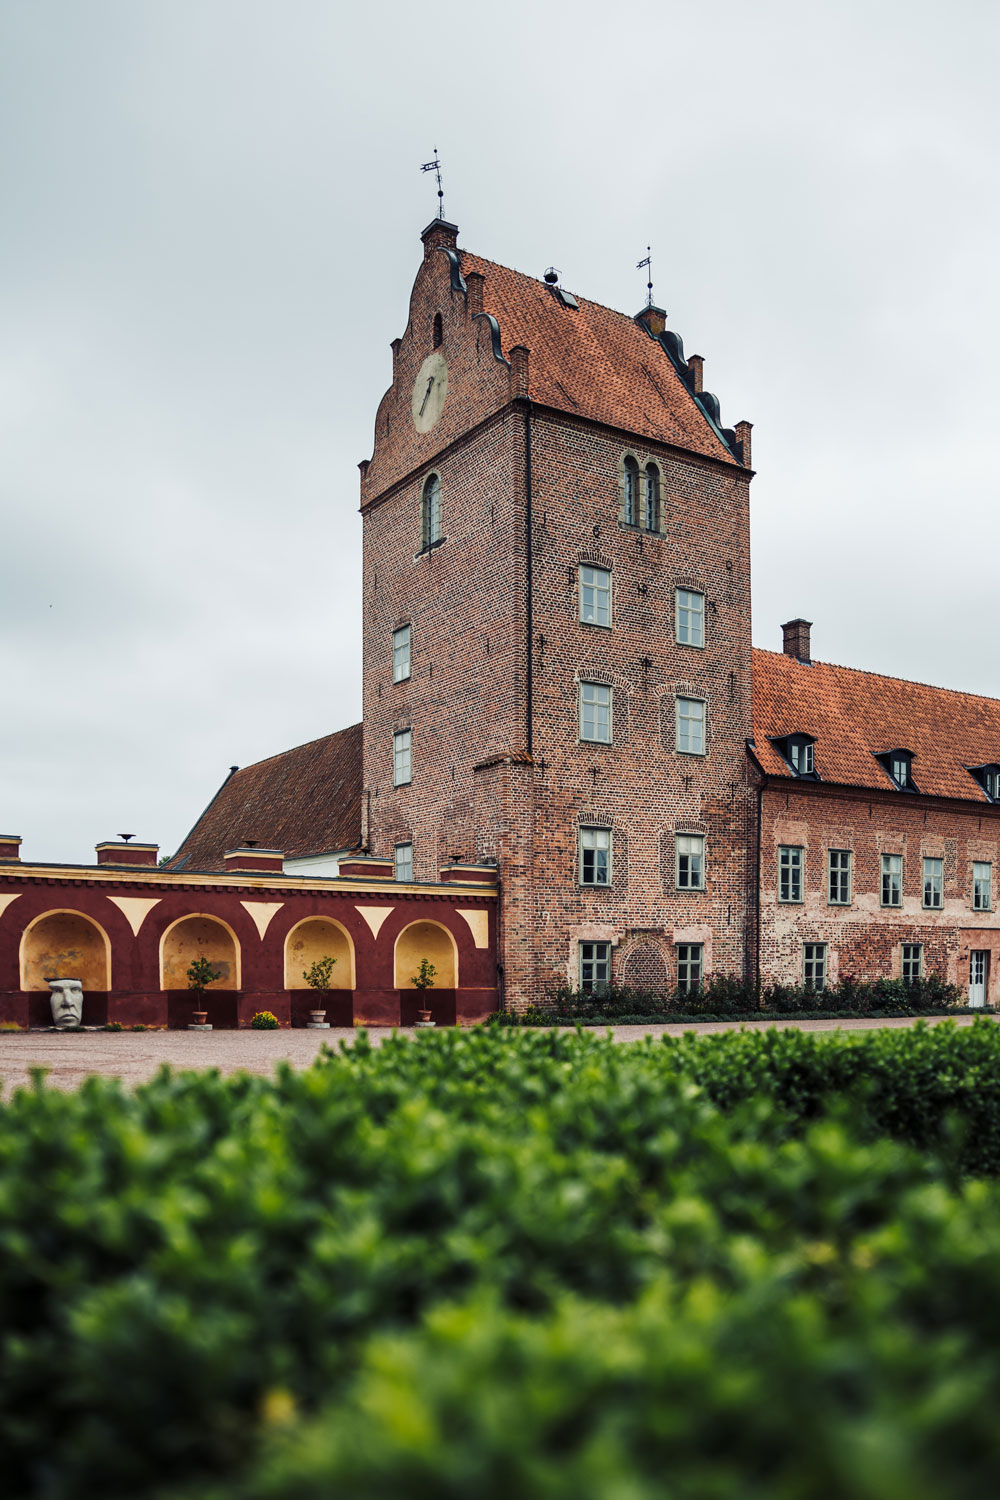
423,980
200,975
318,978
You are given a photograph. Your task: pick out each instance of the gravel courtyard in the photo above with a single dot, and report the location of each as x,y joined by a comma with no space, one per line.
135,1056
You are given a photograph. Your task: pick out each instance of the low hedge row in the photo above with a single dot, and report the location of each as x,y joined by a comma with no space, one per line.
529,1263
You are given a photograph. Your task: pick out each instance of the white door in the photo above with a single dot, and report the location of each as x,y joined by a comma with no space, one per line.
978,967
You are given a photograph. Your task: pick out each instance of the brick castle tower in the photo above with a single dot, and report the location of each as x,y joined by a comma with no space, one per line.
557,628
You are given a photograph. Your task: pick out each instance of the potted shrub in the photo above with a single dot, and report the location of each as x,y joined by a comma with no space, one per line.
200,975
318,978
423,980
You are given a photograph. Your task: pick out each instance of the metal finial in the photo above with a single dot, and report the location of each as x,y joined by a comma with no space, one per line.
435,167
649,284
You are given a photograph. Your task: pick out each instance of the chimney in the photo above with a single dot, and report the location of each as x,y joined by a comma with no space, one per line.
697,367
10,846
250,860
439,234
653,319
474,281
126,853
795,639
743,430
518,371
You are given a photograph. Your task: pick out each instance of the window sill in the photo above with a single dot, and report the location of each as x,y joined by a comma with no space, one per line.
431,546
690,645
596,625
791,901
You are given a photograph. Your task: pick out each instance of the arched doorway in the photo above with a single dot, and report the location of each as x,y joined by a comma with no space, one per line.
199,937
431,941
65,945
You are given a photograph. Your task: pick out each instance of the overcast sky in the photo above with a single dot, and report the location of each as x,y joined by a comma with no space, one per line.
211,212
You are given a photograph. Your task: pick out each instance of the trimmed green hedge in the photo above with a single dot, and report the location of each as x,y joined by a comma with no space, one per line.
505,1263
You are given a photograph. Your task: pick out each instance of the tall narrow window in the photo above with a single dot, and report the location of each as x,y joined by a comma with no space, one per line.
404,861
631,507
689,618
595,856
651,498
691,726
814,965
430,513
839,873
789,873
913,963
595,595
690,966
438,331
982,887
933,882
402,749
595,965
690,862
595,712
892,880
401,654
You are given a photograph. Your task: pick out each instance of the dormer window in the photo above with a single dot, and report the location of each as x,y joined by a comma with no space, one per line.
989,779
899,764
799,752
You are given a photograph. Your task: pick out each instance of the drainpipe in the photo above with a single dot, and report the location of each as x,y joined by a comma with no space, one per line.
528,579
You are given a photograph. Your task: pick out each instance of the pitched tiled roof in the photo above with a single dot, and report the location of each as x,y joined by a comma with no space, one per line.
594,361
855,716
305,801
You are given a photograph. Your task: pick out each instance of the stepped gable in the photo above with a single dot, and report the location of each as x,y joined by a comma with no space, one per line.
857,715
305,801
593,361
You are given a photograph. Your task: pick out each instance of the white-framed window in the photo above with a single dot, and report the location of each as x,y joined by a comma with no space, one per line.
689,617
899,768
839,877
982,886
991,783
814,966
802,757
430,512
595,712
595,965
402,755
401,654
690,966
691,726
651,498
892,880
789,872
595,595
631,506
690,861
403,861
912,968
933,883
595,856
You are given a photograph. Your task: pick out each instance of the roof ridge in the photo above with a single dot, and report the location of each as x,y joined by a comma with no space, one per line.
591,301
884,676
280,754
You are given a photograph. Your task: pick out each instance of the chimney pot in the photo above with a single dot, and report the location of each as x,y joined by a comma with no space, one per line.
795,639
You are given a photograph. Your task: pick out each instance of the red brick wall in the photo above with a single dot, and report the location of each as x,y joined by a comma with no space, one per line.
864,939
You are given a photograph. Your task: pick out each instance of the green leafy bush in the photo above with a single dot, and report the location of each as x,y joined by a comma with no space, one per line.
512,1262
114,1026
264,1020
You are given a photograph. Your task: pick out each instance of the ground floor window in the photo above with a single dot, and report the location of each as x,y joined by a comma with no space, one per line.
595,965
913,962
690,965
814,965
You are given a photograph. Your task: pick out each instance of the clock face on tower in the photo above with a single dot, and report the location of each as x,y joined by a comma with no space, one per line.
429,391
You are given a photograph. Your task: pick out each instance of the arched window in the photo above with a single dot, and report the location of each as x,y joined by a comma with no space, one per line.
430,512
438,331
651,506
631,492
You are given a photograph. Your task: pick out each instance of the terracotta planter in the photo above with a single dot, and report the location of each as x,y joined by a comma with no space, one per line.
200,1017
317,1015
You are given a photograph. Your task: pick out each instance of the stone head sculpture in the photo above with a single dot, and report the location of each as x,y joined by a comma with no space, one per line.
67,1002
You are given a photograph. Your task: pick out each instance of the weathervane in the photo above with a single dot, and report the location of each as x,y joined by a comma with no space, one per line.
435,167
649,284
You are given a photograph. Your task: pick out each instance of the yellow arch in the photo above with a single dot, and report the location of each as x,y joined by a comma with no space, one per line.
53,953
175,957
311,944
431,941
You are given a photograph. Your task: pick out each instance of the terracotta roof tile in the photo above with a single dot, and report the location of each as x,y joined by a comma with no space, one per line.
304,801
594,361
856,715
